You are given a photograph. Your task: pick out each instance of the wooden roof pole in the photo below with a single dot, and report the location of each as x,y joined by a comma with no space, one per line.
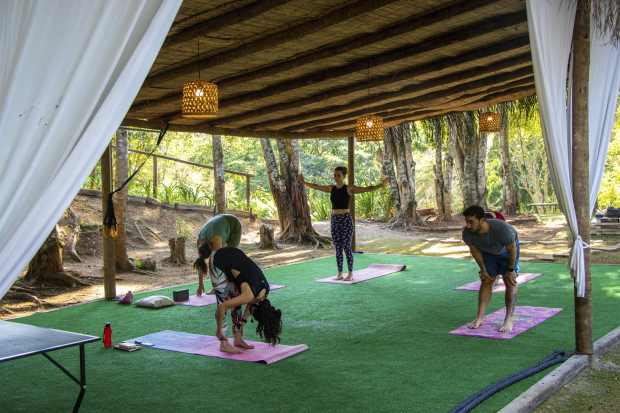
581,179
109,261
351,181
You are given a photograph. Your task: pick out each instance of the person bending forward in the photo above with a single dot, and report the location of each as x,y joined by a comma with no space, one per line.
237,281
221,230
494,244
341,222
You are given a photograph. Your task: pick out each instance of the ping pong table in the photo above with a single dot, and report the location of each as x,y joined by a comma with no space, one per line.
22,340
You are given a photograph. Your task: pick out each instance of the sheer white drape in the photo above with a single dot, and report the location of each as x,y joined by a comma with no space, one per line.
551,29
69,71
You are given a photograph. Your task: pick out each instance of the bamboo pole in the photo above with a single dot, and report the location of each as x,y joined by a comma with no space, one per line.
247,191
351,181
581,185
154,176
109,262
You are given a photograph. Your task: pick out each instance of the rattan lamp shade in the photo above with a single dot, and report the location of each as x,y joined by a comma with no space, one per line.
369,129
200,99
489,122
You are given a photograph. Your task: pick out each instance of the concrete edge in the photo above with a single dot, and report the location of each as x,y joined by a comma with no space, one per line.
533,397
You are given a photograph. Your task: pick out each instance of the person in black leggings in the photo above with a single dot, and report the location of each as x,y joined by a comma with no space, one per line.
237,281
341,221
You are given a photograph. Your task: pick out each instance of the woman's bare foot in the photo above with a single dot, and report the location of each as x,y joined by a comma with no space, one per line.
339,277
507,326
238,342
350,277
211,292
227,348
476,323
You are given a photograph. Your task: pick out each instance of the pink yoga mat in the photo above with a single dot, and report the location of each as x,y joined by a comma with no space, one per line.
524,319
374,271
205,299
522,278
210,346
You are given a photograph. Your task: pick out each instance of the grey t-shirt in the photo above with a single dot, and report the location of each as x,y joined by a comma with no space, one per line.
500,235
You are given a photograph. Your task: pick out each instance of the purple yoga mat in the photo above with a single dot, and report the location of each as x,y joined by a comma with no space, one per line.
524,319
205,299
522,278
374,271
210,346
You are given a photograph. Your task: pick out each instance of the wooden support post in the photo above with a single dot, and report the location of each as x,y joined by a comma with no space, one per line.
351,181
247,191
109,262
154,176
581,185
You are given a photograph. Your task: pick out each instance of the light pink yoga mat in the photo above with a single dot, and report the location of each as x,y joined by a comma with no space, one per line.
210,346
524,319
374,271
205,299
522,278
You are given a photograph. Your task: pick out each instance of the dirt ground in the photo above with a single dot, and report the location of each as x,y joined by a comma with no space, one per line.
539,241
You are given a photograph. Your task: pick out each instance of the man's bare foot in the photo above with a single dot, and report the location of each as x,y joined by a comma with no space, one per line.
238,342
339,277
227,348
507,326
476,323
211,292
350,277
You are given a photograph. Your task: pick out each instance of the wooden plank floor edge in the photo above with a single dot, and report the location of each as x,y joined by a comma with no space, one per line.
533,397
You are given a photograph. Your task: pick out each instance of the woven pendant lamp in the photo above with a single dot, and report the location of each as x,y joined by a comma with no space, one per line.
489,122
199,97
369,129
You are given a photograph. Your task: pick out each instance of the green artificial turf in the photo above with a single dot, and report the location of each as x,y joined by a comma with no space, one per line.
377,346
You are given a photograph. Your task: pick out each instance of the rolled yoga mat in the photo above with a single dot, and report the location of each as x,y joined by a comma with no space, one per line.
524,319
204,299
374,271
522,278
210,346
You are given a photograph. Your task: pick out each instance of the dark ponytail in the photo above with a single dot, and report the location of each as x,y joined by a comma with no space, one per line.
204,250
269,322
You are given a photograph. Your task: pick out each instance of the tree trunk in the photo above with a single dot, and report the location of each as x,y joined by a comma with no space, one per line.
449,172
46,265
177,251
267,239
470,170
120,200
289,194
481,162
75,235
509,200
438,169
387,170
219,184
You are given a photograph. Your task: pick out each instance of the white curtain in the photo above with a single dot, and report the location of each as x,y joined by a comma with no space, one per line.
69,71
551,29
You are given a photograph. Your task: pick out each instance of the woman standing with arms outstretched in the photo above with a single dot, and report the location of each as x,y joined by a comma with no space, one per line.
341,221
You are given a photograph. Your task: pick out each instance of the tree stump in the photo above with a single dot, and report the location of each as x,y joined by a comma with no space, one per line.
75,235
177,251
267,237
47,265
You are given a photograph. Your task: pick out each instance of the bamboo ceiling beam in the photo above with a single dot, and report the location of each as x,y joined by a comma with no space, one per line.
220,22
400,76
296,32
365,102
335,49
157,125
367,63
424,100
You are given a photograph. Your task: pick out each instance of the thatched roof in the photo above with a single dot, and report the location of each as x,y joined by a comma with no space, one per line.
317,65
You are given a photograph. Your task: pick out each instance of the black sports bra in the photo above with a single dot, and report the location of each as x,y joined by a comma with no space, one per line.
340,197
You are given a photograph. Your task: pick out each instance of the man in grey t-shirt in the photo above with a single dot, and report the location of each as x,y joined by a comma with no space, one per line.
494,244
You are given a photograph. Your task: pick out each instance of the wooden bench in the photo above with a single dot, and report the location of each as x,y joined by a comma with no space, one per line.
606,224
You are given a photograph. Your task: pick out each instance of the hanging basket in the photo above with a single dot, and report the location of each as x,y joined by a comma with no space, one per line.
200,99
369,129
489,122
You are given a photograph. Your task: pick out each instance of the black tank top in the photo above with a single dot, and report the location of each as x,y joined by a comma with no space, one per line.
340,197
229,258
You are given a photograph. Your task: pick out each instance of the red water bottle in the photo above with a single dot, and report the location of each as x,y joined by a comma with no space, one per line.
107,335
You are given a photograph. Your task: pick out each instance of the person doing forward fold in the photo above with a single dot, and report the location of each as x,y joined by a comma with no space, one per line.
221,230
341,222
238,281
494,244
